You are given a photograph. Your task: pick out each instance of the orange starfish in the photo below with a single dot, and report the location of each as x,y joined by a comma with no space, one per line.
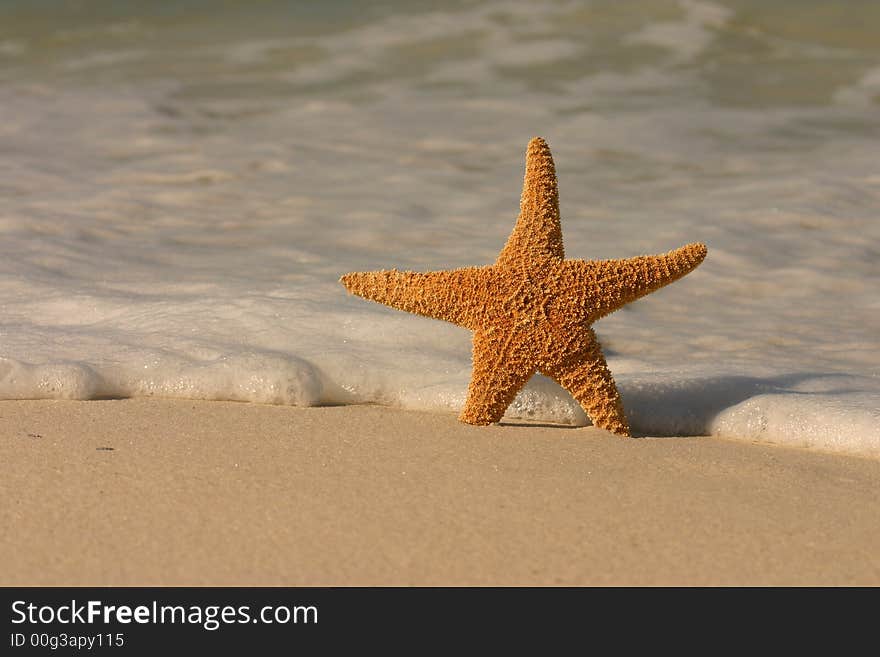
531,311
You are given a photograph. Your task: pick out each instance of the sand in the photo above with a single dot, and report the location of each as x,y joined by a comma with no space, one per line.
161,492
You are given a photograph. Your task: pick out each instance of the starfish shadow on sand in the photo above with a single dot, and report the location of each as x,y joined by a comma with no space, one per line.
708,397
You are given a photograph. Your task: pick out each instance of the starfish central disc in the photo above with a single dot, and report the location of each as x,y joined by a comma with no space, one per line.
526,305
532,310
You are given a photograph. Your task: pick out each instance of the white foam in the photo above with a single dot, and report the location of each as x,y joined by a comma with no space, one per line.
12,48
840,423
865,92
53,380
688,36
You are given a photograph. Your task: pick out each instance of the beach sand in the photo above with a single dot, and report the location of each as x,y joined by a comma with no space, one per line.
162,492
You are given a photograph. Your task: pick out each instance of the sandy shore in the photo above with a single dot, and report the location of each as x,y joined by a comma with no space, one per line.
156,492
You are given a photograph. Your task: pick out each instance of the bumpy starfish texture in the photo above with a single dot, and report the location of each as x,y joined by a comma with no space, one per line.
531,311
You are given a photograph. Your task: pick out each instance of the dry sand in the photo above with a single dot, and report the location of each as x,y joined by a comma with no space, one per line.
159,492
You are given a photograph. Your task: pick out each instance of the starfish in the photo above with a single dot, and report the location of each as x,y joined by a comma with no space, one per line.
532,310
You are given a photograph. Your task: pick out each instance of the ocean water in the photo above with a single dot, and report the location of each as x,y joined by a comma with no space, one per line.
183,183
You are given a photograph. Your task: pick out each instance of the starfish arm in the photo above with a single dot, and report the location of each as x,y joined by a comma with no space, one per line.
537,236
611,284
453,295
586,376
500,370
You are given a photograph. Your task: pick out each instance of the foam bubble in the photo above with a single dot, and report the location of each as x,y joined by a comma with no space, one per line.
58,380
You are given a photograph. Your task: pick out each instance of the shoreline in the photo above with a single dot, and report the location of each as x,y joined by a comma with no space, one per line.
174,492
